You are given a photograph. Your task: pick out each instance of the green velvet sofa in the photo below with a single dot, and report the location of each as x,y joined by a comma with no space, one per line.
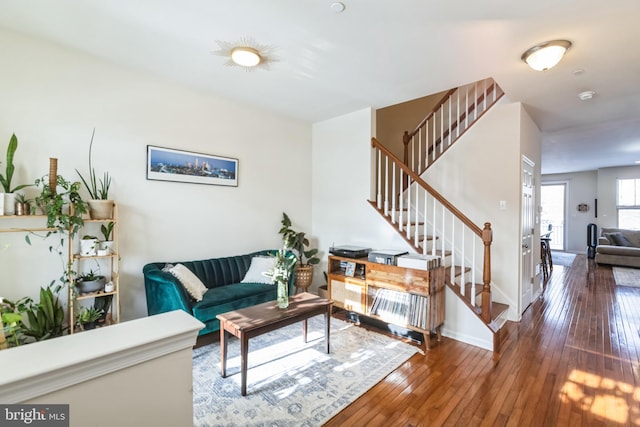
221,276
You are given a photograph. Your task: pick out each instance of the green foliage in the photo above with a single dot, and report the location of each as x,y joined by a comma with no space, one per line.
55,204
21,198
106,230
297,241
98,188
11,315
45,318
5,180
89,314
285,261
89,277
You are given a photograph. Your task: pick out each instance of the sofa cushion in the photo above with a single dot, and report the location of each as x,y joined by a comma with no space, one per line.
259,265
618,250
190,281
618,239
633,236
229,297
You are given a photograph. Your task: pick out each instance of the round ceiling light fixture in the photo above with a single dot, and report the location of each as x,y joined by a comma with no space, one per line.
245,56
246,53
544,56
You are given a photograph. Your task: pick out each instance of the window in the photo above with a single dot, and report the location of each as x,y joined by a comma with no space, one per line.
628,203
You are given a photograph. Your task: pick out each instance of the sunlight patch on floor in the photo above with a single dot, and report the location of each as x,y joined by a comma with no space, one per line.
603,397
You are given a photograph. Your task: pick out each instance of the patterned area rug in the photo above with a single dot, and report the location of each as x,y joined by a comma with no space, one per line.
627,276
562,258
290,383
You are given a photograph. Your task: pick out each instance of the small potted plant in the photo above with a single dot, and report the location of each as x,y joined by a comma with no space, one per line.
107,243
61,202
22,205
90,282
8,199
88,245
100,206
297,241
88,317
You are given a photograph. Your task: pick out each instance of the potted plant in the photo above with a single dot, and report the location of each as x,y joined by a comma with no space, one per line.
100,206
45,319
88,317
107,243
61,203
88,245
297,242
280,274
9,198
22,205
90,282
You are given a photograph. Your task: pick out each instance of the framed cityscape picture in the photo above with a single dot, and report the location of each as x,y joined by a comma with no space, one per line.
168,164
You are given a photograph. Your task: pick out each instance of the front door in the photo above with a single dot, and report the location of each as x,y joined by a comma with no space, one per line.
527,252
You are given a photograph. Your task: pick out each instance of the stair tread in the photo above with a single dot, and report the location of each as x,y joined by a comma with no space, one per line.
497,308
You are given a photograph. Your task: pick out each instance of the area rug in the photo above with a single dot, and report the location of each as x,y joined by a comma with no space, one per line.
290,383
562,258
627,276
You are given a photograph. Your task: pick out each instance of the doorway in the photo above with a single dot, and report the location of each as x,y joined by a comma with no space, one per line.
527,290
552,217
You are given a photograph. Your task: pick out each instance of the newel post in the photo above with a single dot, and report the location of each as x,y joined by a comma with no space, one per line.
487,237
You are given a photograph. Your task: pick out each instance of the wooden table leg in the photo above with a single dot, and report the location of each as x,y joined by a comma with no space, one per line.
304,330
244,352
223,352
327,327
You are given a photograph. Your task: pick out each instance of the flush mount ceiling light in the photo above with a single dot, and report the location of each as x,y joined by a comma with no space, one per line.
245,56
246,53
543,56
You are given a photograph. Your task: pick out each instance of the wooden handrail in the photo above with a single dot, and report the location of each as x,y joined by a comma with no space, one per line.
408,136
462,217
433,111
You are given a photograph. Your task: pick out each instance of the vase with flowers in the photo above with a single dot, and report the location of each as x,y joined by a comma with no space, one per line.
285,262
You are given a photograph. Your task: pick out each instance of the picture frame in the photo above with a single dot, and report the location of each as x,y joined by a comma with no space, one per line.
169,164
350,269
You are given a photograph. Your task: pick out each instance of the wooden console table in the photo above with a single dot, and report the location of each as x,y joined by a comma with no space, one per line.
259,319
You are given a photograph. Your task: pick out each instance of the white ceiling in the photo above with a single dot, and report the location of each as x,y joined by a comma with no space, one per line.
378,53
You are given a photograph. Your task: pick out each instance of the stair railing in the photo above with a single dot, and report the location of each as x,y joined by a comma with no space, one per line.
433,226
458,109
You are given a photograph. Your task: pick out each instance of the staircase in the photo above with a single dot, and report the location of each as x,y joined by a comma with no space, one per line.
429,223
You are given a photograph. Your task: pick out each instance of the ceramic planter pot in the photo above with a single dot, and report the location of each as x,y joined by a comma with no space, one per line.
88,247
100,209
86,286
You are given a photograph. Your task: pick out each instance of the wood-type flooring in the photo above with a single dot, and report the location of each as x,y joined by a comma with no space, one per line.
573,360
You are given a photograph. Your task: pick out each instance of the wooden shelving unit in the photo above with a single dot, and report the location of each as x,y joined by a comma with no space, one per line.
107,265
411,298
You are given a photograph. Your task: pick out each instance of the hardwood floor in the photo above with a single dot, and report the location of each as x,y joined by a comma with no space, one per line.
574,359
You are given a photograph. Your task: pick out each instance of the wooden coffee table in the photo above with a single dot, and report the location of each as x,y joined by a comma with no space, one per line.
259,319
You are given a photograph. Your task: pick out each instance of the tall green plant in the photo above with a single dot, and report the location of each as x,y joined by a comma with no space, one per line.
46,319
5,179
297,241
98,188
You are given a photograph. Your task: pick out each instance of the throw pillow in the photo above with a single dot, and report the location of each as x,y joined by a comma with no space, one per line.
620,240
190,281
259,264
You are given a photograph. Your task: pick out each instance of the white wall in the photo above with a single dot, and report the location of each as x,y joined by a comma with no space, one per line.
580,188
54,97
480,170
341,170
